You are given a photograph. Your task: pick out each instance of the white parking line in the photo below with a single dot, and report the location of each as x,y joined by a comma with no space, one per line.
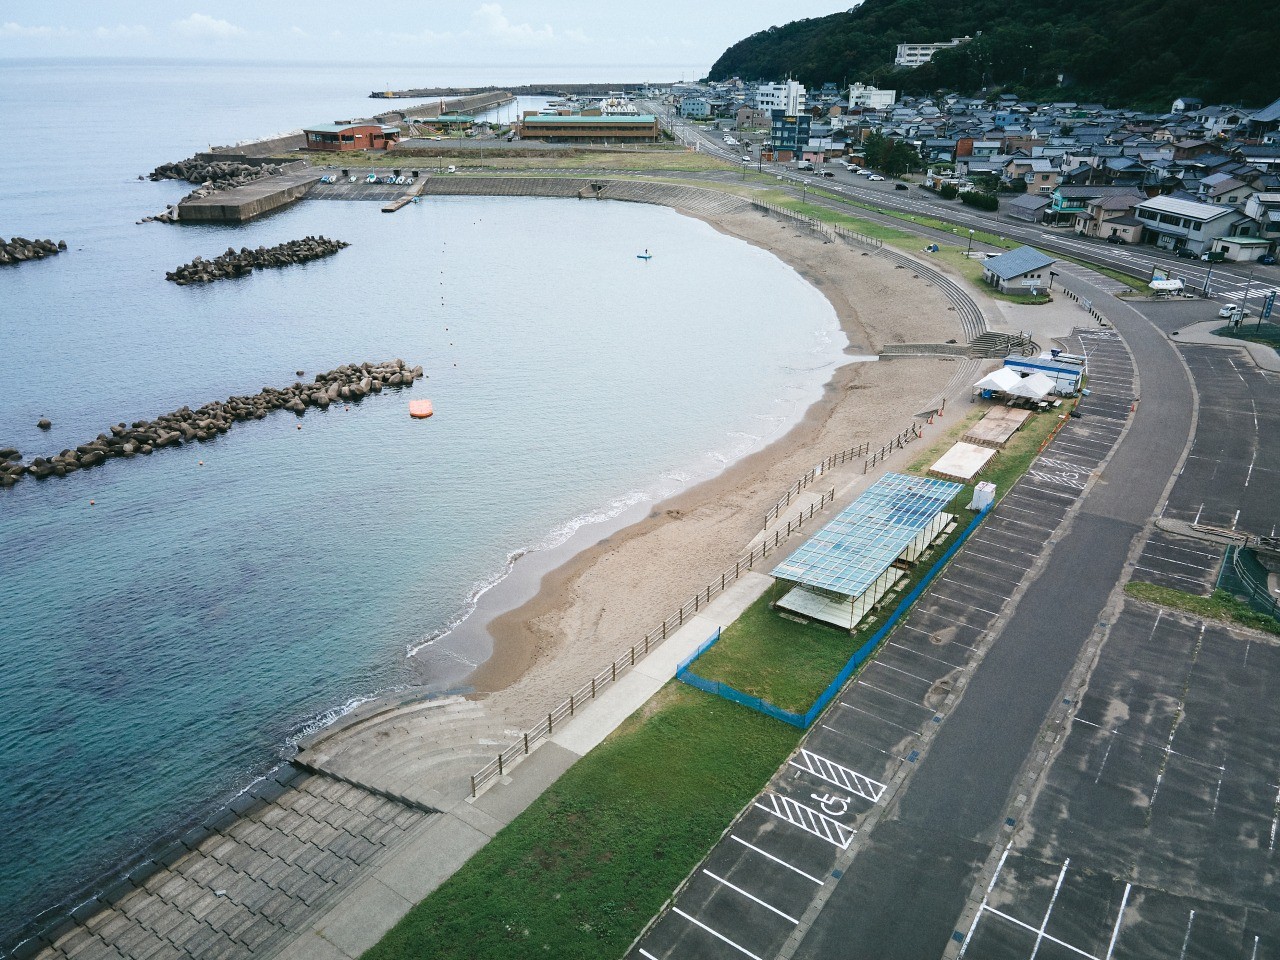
872,686
646,954
1026,926
1052,901
807,819
974,586
842,776
1020,563
777,860
715,933
750,896
1115,933
921,653
930,634
1175,576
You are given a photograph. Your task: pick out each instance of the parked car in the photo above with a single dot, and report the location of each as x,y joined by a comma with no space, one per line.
875,176
899,186
746,159
1267,258
828,173
1226,311
1188,254
1117,239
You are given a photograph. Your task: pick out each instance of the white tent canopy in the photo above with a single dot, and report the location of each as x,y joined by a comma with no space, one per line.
1035,387
998,380
1166,286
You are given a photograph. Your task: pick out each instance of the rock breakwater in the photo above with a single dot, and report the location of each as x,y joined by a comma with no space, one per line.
240,264
20,249
349,382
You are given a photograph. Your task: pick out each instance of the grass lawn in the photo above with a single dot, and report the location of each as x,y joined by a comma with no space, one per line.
579,873
1266,333
1219,605
783,661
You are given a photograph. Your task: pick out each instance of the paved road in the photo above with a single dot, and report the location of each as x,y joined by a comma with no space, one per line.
1230,280
954,808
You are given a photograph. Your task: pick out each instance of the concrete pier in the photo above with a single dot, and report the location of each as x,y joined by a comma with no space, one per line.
241,204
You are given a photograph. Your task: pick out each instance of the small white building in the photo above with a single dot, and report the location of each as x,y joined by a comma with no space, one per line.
863,97
914,54
1019,270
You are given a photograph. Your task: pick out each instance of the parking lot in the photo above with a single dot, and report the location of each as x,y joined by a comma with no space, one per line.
1232,474
799,872
1155,831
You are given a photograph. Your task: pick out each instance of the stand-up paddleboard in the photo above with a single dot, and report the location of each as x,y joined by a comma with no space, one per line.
420,409
644,256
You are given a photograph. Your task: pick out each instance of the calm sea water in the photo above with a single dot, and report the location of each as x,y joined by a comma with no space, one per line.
165,645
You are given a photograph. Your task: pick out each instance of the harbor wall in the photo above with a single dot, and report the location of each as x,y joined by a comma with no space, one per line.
241,204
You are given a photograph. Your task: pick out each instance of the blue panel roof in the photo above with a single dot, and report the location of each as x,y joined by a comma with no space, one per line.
849,553
1017,262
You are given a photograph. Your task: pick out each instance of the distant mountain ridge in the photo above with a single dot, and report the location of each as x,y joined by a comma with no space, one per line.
1138,53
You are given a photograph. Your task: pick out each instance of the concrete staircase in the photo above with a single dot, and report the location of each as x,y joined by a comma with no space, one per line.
243,885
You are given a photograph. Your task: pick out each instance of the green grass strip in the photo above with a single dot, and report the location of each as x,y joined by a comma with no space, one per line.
1219,605
581,871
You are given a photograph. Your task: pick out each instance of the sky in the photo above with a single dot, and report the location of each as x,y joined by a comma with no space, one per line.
580,33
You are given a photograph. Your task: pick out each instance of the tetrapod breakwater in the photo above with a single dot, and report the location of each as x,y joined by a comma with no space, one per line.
350,382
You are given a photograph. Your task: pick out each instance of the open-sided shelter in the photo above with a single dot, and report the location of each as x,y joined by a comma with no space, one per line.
844,569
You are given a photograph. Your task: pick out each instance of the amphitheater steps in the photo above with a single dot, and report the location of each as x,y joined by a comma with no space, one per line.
241,886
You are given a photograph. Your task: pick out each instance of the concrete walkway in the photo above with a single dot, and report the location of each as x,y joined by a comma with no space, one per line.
432,854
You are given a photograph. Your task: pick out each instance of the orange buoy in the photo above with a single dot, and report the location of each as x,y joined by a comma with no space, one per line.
420,409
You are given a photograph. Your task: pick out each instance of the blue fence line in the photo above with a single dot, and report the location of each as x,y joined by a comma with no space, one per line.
805,720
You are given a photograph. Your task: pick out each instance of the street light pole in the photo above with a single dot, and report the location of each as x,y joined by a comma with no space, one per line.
969,248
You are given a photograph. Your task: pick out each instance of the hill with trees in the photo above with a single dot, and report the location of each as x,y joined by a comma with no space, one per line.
1137,53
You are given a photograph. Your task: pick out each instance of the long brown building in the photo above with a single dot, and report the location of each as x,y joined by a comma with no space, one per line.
642,128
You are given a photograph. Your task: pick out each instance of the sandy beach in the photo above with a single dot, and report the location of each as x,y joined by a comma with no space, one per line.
604,598
608,596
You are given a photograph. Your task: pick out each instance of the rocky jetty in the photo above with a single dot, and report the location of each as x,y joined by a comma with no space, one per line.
347,383
211,177
20,249
240,264
219,174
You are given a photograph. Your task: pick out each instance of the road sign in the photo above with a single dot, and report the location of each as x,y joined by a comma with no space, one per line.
1268,304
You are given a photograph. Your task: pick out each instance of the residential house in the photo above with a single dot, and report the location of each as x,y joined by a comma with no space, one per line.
1264,210
1068,200
1224,188
1111,215
1029,207
1187,104
1172,223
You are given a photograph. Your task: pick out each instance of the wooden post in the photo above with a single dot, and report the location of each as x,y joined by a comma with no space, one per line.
722,582
633,656
593,688
499,764
571,704
548,724
664,629
737,569
473,785
526,744
613,667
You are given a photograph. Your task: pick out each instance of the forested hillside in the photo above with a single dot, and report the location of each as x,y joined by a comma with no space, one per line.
1141,53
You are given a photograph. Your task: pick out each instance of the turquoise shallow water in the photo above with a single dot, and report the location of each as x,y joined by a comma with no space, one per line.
162,647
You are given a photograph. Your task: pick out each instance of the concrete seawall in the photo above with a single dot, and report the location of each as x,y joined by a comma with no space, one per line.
693,199
472,104
241,204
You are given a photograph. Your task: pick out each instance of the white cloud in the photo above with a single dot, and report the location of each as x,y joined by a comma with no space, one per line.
201,26
121,33
11,29
494,25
